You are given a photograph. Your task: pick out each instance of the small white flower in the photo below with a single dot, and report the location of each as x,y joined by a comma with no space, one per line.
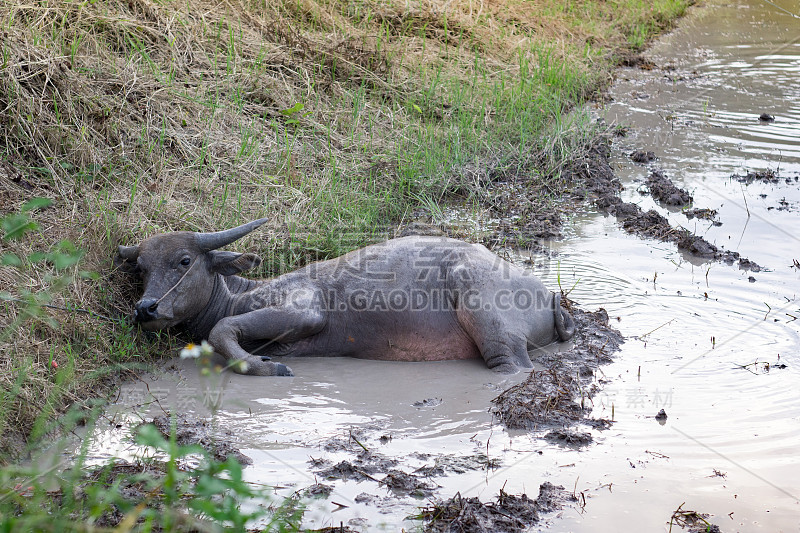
206,348
191,351
243,367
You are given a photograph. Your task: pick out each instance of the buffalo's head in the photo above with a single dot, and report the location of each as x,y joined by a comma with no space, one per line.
179,271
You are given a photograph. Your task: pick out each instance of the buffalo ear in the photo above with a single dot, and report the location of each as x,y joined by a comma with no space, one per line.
230,263
125,260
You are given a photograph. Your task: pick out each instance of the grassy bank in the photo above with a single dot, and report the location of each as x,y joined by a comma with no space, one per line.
336,119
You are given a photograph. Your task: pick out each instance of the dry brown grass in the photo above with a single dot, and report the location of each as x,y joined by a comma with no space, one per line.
137,117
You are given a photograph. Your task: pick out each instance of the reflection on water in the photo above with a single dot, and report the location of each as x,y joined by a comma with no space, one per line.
699,324
729,446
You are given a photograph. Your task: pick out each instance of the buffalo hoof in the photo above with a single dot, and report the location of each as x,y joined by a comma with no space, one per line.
283,370
506,368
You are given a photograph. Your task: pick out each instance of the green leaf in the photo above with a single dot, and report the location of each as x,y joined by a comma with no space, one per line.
63,261
294,109
37,203
234,469
203,506
16,225
417,108
66,246
89,274
65,255
149,435
211,486
190,449
10,259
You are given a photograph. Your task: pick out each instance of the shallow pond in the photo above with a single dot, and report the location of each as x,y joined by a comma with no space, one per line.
729,446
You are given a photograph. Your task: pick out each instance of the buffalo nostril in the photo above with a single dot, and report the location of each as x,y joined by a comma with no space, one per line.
146,310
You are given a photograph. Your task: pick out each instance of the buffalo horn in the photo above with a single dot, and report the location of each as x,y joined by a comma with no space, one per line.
128,253
218,239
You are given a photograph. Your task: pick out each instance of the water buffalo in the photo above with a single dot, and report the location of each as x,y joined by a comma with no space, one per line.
409,299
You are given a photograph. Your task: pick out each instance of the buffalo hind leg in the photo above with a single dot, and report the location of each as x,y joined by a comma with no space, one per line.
503,351
504,356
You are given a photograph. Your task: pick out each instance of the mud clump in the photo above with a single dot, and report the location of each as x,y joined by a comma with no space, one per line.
317,490
692,521
428,402
596,182
552,497
545,398
703,214
568,437
457,465
557,396
131,480
640,156
711,528
408,484
334,529
352,442
746,264
346,470
592,176
761,176
665,192
634,60
365,465
600,424
508,513
189,430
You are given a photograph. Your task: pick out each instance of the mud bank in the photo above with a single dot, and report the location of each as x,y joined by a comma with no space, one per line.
509,513
519,217
560,393
595,181
217,441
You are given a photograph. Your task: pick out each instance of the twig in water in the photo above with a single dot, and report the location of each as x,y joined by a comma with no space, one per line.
687,518
745,201
150,393
657,454
659,327
754,363
357,442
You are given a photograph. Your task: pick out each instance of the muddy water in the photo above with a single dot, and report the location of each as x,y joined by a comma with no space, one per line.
729,447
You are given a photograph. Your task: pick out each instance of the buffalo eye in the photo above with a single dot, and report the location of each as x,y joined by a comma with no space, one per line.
185,261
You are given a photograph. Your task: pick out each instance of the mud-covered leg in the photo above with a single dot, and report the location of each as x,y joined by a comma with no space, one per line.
225,340
281,325
503,349
505,358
